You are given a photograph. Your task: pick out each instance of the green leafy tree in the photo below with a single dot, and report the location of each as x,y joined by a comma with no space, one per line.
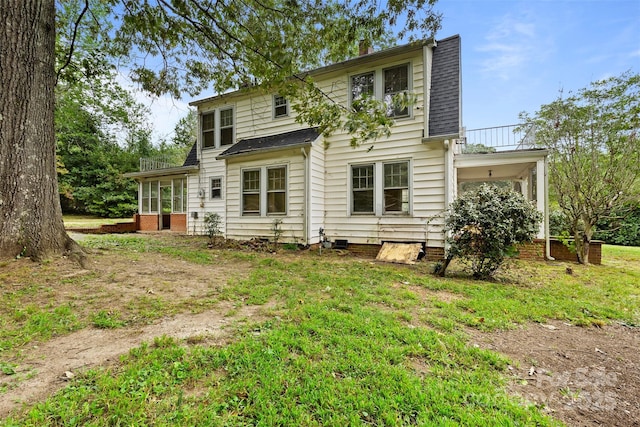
170,46
486,225
594,140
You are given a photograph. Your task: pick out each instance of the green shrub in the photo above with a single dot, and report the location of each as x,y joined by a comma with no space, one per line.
486,225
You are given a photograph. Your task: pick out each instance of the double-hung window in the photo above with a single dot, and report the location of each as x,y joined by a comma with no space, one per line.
209,130
216,188
380,188
251,192
217,128
277,190
280,106
362,87
396,88
389,85
226,126
396,187
362,180
264,191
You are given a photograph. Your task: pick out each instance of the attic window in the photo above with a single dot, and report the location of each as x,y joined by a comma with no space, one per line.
280,106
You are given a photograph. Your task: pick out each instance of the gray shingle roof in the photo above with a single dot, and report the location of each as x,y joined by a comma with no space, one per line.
273,142
192,157
444,111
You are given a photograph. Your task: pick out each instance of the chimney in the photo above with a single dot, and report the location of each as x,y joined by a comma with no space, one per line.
364,48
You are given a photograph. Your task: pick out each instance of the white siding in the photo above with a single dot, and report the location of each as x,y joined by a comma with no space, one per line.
327,171
245,227
317,192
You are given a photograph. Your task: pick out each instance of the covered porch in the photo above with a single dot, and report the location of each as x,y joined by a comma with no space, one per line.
506,156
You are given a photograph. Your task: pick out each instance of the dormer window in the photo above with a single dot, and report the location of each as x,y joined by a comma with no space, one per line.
389,85
280,106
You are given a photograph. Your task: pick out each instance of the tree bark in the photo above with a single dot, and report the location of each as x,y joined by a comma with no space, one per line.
30,214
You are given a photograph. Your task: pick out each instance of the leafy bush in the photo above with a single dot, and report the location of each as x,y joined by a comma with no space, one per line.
486,225
623,229
212,225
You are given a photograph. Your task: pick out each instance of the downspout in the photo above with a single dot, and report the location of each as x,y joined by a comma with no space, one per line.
306,204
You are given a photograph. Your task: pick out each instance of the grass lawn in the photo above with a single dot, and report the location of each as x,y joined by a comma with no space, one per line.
347,341
88,221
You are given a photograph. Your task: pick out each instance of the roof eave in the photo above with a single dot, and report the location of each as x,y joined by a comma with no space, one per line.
263,150
330,68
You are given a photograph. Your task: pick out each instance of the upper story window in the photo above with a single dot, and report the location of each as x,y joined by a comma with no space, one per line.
362,85
226,126
218,128
396,82
209,130
280,106
390,85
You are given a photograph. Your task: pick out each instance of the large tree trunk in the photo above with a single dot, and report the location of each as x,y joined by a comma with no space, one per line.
30,214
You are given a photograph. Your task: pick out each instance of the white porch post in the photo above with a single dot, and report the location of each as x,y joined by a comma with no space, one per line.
541,191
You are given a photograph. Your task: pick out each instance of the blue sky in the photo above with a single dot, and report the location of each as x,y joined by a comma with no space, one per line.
516,55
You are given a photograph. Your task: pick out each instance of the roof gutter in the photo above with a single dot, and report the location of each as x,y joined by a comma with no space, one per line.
162,172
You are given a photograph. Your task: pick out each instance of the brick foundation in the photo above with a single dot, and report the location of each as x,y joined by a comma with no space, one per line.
530,251
179,222
535,251
148,222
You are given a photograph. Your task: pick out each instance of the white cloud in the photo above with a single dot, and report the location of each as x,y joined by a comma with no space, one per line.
510,44
165,111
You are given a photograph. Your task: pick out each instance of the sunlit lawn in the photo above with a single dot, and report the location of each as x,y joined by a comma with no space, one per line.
349,342
87,221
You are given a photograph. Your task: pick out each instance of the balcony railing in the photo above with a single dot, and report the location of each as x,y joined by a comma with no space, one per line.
499,138
152,163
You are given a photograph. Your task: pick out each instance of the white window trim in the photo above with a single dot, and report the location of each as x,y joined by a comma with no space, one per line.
264,185
217,127
273,110
378,189
378,83
221,188
260,192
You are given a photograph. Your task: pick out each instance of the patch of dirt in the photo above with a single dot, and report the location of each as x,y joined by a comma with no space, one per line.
45,367
584,376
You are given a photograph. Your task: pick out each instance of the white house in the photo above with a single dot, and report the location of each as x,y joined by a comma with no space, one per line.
253,164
